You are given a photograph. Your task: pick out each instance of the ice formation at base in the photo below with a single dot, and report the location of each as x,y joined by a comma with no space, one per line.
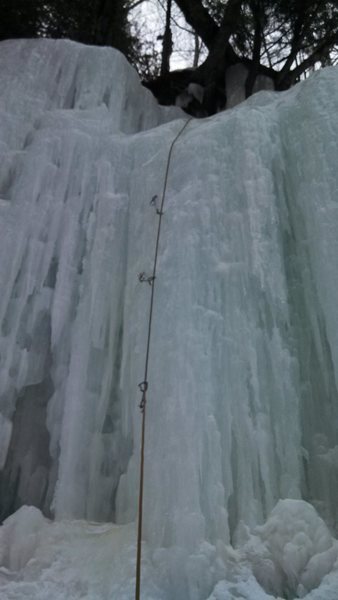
242,445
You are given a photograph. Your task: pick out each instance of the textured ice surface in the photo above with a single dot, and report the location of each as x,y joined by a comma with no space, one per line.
235,84
244,362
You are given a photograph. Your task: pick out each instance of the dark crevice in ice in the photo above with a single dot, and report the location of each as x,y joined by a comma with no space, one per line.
50,280
116,462
24,479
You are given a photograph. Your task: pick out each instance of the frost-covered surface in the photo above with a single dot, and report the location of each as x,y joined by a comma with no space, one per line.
235,84
290,554
244,366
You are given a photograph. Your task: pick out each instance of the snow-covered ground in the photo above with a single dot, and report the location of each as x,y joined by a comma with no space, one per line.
242,446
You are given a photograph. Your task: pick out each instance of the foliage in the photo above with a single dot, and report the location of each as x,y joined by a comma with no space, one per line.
289,37
20,18
101,22
283,39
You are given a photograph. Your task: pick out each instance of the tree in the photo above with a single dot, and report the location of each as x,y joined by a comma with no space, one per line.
167,39
273,34
279,39
111,26
20,18
100,22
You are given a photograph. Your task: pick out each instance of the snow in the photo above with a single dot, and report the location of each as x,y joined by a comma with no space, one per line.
241,439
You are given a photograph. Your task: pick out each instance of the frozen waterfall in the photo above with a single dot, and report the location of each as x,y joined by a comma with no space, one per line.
242,422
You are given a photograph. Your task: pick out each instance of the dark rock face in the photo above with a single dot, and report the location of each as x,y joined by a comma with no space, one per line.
189,90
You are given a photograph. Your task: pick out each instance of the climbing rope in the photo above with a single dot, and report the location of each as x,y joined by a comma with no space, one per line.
143,386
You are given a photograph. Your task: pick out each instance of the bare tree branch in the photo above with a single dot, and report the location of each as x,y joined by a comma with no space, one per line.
199,19
323,46
304,20
135,4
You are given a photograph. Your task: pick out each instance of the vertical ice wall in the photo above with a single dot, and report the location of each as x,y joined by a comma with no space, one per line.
243,374
65,170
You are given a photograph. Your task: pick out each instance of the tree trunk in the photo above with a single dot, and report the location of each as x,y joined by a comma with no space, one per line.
256,55
167,46
197,51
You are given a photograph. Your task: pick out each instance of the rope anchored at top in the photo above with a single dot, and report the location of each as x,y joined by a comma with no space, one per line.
143,386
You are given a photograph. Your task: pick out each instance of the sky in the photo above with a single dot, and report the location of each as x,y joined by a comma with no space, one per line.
150,17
